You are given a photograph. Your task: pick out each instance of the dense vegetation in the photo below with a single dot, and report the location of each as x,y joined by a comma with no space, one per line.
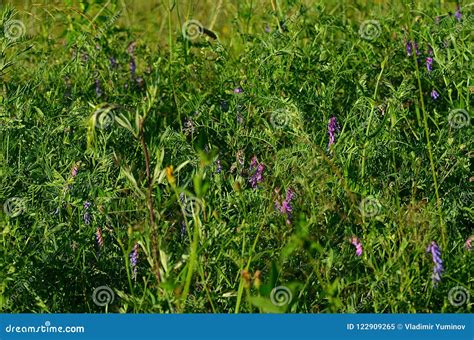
265,156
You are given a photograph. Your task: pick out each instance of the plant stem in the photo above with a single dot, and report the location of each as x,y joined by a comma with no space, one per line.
430,153
149,198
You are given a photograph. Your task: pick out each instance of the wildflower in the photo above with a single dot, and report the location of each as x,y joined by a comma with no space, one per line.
87,218
332,129
257,169
257,282
357,244
139,81
219,166
410,45
188,126
267,28
238,90
183,228
169,175
98,237
74,170
469,242
113,62
408,48
134,260
240,156
98,90
133,67
84,57
285,206
438,267
429,64
458,14
430,50
434,94
417,52
239,118
246,278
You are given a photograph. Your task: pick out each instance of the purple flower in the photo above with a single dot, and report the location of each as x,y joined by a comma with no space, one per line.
133,67
469,242
113,62
408,47
134,260
357,244
415,44
434,94
267,28
238,90
285,206
438,262
218,166
74,170
87,205
457,14
257,169
183,229
98,90
332,129
429,64
87,218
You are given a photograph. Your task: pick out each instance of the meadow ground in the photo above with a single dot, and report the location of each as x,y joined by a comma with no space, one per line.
250,156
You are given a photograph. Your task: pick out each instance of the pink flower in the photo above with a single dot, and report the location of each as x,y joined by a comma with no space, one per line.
469,242
357,244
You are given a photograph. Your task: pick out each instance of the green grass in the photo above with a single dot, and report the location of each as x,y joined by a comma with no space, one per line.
398,176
